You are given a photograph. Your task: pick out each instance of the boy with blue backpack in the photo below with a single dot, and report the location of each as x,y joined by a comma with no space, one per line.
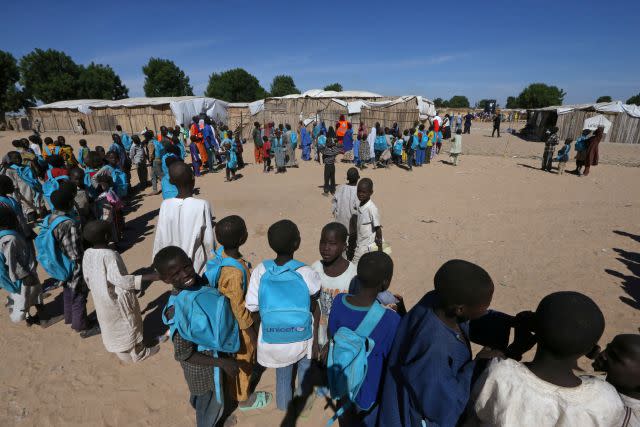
361,334
229,272
59,248
285,292
198,360
25,183
112,169
7,190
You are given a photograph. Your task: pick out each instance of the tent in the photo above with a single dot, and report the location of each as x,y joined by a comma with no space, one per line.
593,123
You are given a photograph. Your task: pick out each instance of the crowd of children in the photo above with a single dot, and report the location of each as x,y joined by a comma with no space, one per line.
336,328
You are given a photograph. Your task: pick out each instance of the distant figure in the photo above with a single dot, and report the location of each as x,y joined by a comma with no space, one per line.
496,124
563,156
256,135
549,149
581,151
456,148
592,150
467,123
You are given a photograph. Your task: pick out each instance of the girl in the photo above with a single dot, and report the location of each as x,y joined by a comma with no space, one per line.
83,152
279,152
196,161
108,207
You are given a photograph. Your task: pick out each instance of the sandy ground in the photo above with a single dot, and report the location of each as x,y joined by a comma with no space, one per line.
534,232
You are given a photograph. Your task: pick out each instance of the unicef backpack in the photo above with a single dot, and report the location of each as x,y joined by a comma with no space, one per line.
285,304
5,280
126,141
232,161
214,267
347,361
415,142
120,184
322,141
169,191
26,174
54,262
51,185
380,144
294,139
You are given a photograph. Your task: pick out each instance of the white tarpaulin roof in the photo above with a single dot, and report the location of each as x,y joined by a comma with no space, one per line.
183,107
592,123
319,93
602,107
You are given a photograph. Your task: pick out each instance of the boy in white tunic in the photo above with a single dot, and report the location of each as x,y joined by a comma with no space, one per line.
368,233
546,391
345,201
185,221
114,296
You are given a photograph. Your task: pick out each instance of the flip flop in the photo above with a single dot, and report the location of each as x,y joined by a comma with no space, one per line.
263,399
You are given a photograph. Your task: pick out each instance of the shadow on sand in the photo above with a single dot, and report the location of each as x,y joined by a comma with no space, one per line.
630,283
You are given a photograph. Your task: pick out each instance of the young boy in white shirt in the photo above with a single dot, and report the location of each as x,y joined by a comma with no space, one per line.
368,233
284,239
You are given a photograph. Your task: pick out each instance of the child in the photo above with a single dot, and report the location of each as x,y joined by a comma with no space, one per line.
456,148
345,200
114,296
18,271
397,151
348,311
549,148
231,233
26,185
138,156
284,239
108,207
368,229
66,152
429,368
546,391
329,153
421,155
334,270
185,221
232,161
414,146
365,151
621,361
156,151
81,201
68,240
432,144
563,156
279,151
176,269
114,171
266,154
83,152
581,151
6,192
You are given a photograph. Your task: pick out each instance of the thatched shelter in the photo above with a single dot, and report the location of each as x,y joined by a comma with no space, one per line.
570,120
133,114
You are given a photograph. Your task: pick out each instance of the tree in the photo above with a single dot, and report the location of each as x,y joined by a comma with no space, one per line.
538,95
337,87
606,98
236,85
483,103
99,81
458,101
164,78
634,100
440,103
283,85
49,75
512,102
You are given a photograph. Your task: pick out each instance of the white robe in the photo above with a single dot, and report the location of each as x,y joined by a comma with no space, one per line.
113,293
371,139
345,204
186,223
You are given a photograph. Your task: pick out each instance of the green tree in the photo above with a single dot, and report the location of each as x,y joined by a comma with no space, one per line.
99,81
164,78
458,101
605,98
236,85
634,100
440,103
337,87
539,95
49,75
283,85
483,103
11,98
512,102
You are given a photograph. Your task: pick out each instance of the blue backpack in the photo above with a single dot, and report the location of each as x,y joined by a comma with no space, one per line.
56,150
169,191
294,139
322,141
51,185
54,262
10,202
159,148
26,174
347,361
126,141
5,280
232,159
424,142
120,184
397,147
380,143
285,304
214,267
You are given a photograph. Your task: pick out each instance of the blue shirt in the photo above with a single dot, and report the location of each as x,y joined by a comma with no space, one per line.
429,371
347,315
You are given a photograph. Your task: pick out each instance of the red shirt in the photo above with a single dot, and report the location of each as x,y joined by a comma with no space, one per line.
56,172
266,149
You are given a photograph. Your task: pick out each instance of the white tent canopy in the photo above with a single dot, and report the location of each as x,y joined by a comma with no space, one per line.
602,107
592,123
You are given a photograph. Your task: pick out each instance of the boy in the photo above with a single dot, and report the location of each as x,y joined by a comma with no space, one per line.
621,361
185,221
430,366
138,156
21,280
176,269
456,148
266,154
334,270
114,296
6,191
156,151
581,151
284,240
329,153
563,156
549,148
25,184
68,239
374,272
231,163
546,392
81,201
345,201
231,233
367,234
83,153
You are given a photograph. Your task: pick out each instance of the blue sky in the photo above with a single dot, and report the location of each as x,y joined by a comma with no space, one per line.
481,49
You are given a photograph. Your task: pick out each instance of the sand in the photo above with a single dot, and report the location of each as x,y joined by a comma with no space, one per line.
533,231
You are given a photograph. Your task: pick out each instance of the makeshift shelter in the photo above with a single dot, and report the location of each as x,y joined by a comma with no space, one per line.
133,114
572,119
406,111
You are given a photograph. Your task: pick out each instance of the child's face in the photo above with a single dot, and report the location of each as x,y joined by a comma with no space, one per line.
77,180
331,246
179,273
471,312
112,159
621,361
364,193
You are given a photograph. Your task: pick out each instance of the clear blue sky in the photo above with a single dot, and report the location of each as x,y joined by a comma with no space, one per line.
481,49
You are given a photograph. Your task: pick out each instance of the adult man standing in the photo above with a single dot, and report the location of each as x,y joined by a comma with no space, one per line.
256,135
467,122
341,128
496,124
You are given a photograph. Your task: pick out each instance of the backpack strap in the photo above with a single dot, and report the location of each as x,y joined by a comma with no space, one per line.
7,233
371,320
57,221
627,417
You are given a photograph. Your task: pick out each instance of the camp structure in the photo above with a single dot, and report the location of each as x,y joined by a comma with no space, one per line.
621,121
133,114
